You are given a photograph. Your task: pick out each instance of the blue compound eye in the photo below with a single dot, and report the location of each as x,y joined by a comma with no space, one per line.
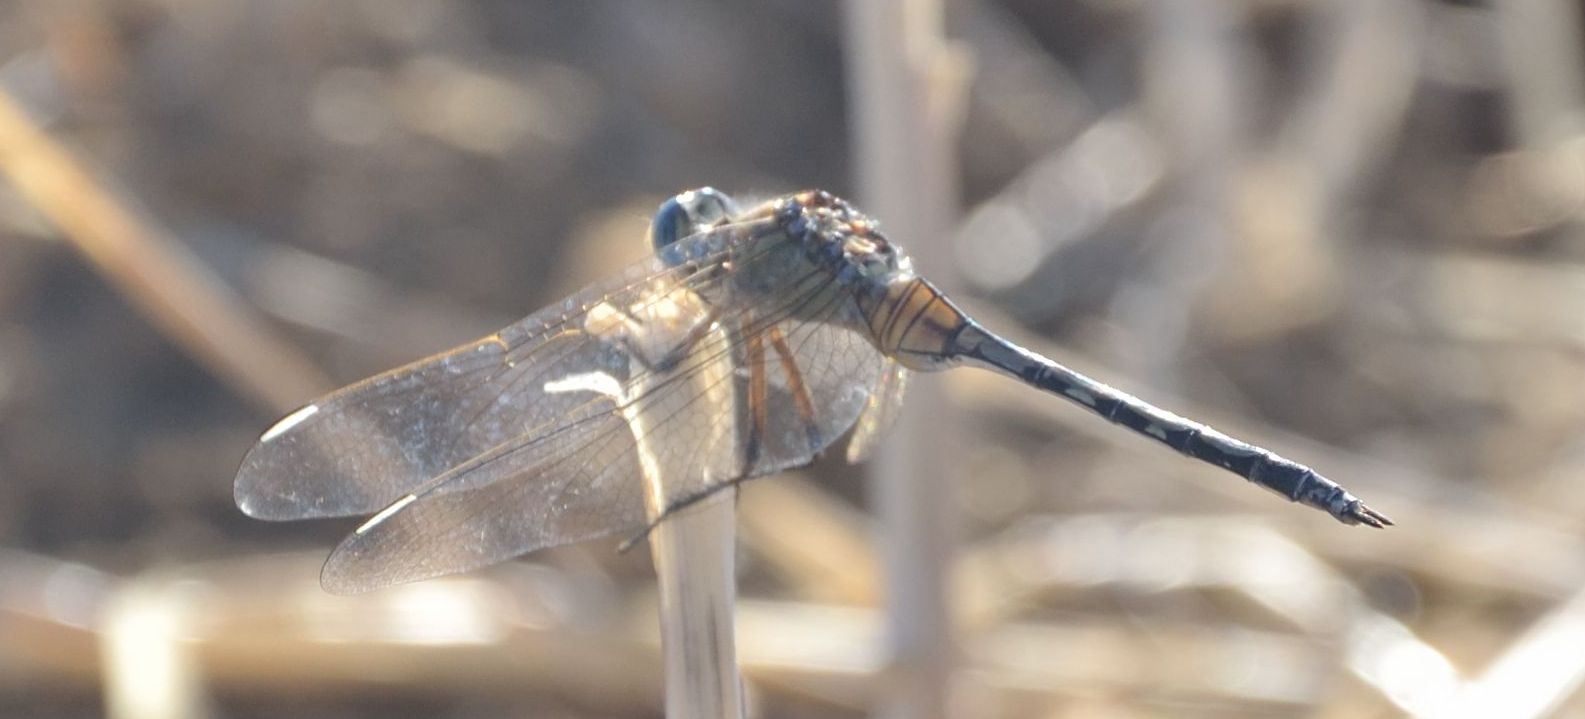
689,213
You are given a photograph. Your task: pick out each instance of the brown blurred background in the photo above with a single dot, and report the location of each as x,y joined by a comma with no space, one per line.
1349,230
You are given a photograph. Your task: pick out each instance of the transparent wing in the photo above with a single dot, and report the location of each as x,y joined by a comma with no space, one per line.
880,412
360,448
732,358
580,485
692,424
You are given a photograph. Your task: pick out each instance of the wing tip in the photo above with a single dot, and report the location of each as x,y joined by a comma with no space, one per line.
246,503
337,576
252,495
249,491
263,507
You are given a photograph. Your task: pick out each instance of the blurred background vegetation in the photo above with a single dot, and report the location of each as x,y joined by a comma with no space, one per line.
1347,229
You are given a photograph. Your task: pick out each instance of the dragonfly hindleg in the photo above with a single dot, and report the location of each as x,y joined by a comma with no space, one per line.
796,386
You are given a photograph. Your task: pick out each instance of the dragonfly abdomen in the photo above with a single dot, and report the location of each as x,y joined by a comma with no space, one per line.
1260,466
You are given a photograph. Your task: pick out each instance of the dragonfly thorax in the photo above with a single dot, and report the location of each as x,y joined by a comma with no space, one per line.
842,239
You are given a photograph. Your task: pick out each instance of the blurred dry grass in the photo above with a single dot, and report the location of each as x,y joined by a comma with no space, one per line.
1349,230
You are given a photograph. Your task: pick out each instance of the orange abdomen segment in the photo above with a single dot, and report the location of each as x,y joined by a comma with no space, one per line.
915,324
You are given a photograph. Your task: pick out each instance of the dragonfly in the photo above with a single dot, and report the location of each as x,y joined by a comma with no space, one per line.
749,342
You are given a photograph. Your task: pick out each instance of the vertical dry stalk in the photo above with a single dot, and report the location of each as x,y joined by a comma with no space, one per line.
904,93
693,555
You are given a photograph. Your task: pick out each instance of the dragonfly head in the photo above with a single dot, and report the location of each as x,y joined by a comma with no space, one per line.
689,213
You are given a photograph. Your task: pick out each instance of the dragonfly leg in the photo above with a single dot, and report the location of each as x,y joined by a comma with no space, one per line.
758,402
795,384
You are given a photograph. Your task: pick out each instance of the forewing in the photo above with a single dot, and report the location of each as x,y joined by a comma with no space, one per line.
362,447
577,485
680,422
